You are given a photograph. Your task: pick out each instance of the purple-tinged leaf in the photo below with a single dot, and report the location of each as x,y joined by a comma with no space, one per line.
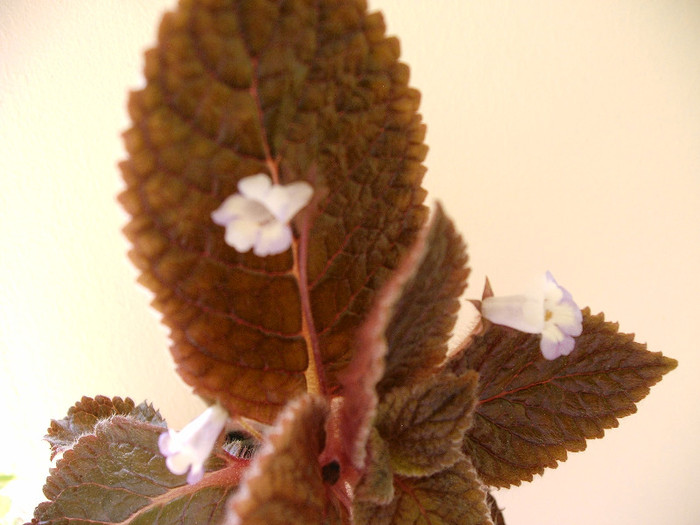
454,495
116,475
86,413
531,411
426,312
424,425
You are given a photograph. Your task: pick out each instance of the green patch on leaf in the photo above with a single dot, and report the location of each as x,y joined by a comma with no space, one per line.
532,411
424,425
454,495
377,484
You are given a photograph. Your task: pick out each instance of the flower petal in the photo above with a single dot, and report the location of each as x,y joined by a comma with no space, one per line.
553,348
191,447
568,318
274,237
255,186
242,234
522,312
284,202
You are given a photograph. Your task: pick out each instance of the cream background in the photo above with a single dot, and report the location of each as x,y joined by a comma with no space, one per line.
564,135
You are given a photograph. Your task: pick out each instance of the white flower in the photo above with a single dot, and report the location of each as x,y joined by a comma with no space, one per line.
258,217
188,449
549,311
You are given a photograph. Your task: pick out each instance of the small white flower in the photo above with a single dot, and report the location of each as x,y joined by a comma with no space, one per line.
188,449
549,311
258,216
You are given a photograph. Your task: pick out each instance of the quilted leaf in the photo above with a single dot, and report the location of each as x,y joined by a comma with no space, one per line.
454,495
117,475
426,312
424,425
86,413
299,90
531,411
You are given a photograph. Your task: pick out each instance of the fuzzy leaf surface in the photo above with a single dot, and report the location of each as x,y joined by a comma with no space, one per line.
532,411
86,413
285,483
424,425
426,312
117,475
300,90
454,495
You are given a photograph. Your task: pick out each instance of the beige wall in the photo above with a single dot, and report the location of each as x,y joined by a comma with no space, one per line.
564,135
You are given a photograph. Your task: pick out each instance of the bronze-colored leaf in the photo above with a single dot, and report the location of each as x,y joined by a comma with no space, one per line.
452,496
425,314
116,474
424,425
285,483
531,411
354,413
300,90
86,413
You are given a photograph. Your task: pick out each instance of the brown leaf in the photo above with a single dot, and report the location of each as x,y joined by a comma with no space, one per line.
425,314
532,411
453,496
285,483
424,425
86,413
300,90
116,475
354,413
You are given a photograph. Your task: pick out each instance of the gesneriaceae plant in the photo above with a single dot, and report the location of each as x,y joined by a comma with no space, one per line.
273,182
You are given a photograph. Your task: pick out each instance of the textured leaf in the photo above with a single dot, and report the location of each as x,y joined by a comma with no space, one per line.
117,475
301,90
353,414
423,319
285,483
531,411
424,425
453,496
86,413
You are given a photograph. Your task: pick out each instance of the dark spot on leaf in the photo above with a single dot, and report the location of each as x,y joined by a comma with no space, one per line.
330,472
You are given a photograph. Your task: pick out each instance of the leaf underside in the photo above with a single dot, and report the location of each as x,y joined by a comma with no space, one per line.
117,475
301,90
532,411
